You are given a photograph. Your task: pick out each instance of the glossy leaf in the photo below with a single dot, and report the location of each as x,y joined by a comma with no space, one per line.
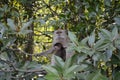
11,24
26,25
91,39
96,76
72,37
117,20
51,70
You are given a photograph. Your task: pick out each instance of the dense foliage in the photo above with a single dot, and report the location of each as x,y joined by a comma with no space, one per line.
26,27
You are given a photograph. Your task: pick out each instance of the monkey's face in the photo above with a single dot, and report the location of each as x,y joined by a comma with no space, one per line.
60,36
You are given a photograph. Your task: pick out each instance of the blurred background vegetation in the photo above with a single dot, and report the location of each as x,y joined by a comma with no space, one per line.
26,27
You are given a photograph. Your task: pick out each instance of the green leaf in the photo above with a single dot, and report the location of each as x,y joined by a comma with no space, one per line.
84,41
25,66
2,31
11,24
103,47
117,20
117,44
5,7
116,76
59,61
91,39
50,70
69,73
72,69
106,34
1,65
109,53
72,37
99,43
115,33
59,64
107,2
34,65
96,76
40,78
25,32
4,56
67,63
26,25
51,77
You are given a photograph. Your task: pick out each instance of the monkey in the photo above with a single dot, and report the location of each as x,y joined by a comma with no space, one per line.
60,51
61,36
57,50
60,42
59,46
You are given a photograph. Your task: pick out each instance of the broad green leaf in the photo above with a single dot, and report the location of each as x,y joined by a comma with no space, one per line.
107,2
71,69
84,41
51,77
109,53
68,63
117,44
2,30
87,50
72,37
91,39
70,72
1,65
81,58
59,64
81,76
40,79
70,48
115,33
103,47
4,56
106,34
78,48
51,70
59,61
25,66
99,43
11,24
25,32
26,25
96,76
34,65
5,7
116,76
117,20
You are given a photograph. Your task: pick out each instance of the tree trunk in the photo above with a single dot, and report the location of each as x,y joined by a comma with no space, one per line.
30,39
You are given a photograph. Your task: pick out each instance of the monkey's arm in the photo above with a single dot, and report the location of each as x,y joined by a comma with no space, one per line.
45,53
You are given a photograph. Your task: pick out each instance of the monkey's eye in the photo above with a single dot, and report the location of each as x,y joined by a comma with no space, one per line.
58,32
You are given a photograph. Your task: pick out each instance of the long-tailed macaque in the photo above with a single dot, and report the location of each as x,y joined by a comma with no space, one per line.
60,43
61,36
60,51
